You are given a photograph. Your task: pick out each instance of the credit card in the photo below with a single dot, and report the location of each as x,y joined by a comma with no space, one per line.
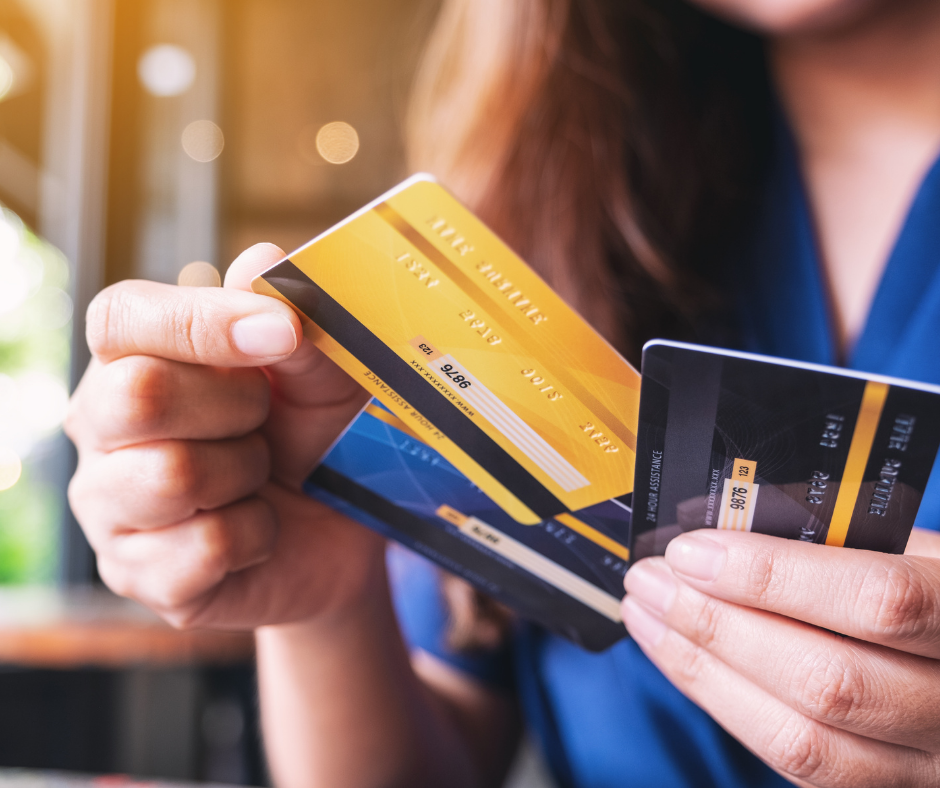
750,443
564,573
462,341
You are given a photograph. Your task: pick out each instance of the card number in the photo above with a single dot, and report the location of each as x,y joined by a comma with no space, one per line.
738,497
455,376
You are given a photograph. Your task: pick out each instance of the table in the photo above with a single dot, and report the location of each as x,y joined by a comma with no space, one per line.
58,628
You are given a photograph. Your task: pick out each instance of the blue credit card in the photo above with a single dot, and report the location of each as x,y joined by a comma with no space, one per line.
564,573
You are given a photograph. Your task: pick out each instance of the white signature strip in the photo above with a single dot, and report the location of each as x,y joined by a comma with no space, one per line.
521,434
514,428
542,567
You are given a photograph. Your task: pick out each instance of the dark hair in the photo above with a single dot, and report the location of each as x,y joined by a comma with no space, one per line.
615,144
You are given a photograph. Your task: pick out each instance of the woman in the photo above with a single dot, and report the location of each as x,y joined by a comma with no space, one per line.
767,180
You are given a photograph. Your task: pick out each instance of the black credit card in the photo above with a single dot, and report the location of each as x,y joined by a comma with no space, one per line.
751,443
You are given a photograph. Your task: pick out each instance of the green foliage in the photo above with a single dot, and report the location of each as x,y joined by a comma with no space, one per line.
29,517
35,331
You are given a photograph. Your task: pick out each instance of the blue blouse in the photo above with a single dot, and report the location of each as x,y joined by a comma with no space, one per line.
613,719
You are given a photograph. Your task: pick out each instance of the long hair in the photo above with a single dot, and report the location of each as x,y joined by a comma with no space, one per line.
614,144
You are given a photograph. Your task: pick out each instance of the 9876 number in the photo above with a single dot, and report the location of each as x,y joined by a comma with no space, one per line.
454,375
738,497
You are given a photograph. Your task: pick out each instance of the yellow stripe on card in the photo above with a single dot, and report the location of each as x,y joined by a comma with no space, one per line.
869,414
594,535
393,421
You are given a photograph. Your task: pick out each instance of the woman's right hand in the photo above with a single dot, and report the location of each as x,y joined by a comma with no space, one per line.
200,415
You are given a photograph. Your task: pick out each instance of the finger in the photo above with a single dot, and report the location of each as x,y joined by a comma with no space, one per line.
175,570
887,599
293,584
253,261
314,399
142,398
798,747
301,428
197,325
869,690
152,485
294,375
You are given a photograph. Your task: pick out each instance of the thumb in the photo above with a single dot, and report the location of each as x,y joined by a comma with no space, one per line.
250,263
313,399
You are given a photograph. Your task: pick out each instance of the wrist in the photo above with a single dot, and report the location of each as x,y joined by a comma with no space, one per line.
361,598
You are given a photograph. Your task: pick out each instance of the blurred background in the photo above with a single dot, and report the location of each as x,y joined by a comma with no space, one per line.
155,139
137,137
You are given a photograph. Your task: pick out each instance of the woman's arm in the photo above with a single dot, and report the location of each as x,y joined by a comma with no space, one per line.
343,706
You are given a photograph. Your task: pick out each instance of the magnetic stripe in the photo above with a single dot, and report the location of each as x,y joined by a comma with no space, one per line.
319,306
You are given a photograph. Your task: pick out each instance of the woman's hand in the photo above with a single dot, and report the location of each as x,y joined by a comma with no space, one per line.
201,414
823,661
197,422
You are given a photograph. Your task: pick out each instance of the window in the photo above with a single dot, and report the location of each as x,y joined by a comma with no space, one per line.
35,328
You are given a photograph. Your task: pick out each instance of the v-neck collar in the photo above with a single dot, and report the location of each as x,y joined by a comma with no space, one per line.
784,305
909,285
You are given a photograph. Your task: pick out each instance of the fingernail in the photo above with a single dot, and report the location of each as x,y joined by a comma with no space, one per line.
264,336
652,584
697,557
645,628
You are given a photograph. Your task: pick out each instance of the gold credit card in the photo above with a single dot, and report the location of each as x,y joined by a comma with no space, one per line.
456,335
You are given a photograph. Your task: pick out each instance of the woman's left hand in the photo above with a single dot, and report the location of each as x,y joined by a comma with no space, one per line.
823,661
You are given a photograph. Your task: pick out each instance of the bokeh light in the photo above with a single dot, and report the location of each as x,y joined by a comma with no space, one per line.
337,142
35,312
55,305
32,407
166,70
199,274
11,468
203,141
6,78
35,317
33,298
43,401
15,287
